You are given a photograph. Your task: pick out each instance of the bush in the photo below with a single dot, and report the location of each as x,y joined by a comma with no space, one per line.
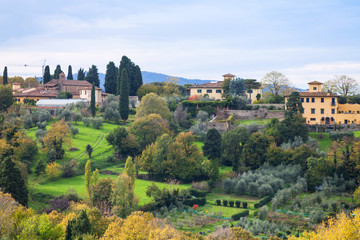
271,107
228,185
74,130
197,193
86,121
231,203
241,187
239,215
194,201
262,202
204,186
237,203
225,203
97,123
51,156
317,216
218,202
245,204
265,190
263,213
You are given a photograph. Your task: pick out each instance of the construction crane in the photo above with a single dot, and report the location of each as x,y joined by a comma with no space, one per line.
28,65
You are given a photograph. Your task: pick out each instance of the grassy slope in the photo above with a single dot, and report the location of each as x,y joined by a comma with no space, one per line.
324,143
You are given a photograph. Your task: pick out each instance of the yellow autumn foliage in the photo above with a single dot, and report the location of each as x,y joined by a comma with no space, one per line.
342,227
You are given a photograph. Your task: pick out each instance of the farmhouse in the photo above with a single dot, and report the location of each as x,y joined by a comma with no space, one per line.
214,89
323,108
50,90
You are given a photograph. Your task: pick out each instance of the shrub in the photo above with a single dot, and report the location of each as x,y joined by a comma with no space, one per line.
228,185
86,121
194,201
253,189
262,202
241,187
197,193
74,130
271,107
237,203
218,202
225,203
317,216
97,122
231,203
204,186
245,204
51,156
263,213
239,215
265,190
60,204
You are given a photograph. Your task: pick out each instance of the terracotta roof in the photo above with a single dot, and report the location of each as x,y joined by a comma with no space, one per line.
228,75
37,92
315,94
314,82
16,83
54,82
208,85
89,88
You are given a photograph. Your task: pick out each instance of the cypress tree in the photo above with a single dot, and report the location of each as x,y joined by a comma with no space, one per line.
81,74
57,72
138,80
11,181
111,78
5,76
124,96
70,76
46,77
212,144
92,101
93,76
125,63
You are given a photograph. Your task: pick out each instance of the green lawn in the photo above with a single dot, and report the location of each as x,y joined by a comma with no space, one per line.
324,142
253,121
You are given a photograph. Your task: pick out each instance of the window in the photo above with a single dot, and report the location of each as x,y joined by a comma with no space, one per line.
199,91
312,119
333,111
209,91
85,92
322,111
218,91
302,99
333,101
314,88
307,99
312,99
313,111
322,99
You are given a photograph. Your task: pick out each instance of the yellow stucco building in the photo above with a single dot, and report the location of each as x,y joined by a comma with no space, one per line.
215,91
322,108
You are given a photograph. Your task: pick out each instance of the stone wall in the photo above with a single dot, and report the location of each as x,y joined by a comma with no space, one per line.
256,114
276,105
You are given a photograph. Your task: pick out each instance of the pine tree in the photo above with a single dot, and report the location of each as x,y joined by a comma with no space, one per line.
81,74
46,77
70,76
11,181
5,76
93,76
124,96
57,72
92,101
110,78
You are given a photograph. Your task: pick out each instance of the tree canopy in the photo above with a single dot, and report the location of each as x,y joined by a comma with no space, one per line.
93,76
276,82
111,78
342,85
70,76
153,104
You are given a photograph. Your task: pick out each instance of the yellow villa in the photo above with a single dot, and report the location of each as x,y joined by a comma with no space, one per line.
322,108
215,91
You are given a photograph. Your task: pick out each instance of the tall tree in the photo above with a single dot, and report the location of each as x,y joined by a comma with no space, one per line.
212,150
134,75
124,96
12,182
152,103
110,78
93,76
342,85
276,82
254,151
294,105
5,76
125,63
6,97
237,87
138,80
46,77
57,72
226,87
92,100
70,76
81,74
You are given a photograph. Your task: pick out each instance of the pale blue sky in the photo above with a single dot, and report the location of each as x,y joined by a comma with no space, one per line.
305,40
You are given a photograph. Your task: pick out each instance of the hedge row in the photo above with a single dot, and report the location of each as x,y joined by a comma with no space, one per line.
231,203
193,201
263,202
197,193
239,215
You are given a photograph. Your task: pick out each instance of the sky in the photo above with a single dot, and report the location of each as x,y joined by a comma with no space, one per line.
202,39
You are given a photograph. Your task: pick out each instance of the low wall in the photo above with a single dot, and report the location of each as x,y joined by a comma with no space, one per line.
256,114
276,105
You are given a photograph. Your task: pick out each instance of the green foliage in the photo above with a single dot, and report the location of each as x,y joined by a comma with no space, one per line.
89,150
46,77
197,193
110,78
294,105
70,76
237,87
162,197
57,72
263,202
195,201
93,76
81,74
207,106
133,73
78,226
254,151
226,87
6,97
124,143
40,167
11,181
102,191
65,95
212,144
5,76
239,215
153,104
92,100
317,168
124,96
338,135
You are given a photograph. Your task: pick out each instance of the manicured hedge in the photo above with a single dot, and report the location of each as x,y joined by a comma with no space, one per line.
193,201
225,203
231,203
262,202
197,193
207,106
218,202
245,204
239,215
237,203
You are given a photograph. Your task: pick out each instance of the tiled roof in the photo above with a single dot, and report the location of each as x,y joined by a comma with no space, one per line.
314,82
208,85
54,82
37,92
315,94
228,75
